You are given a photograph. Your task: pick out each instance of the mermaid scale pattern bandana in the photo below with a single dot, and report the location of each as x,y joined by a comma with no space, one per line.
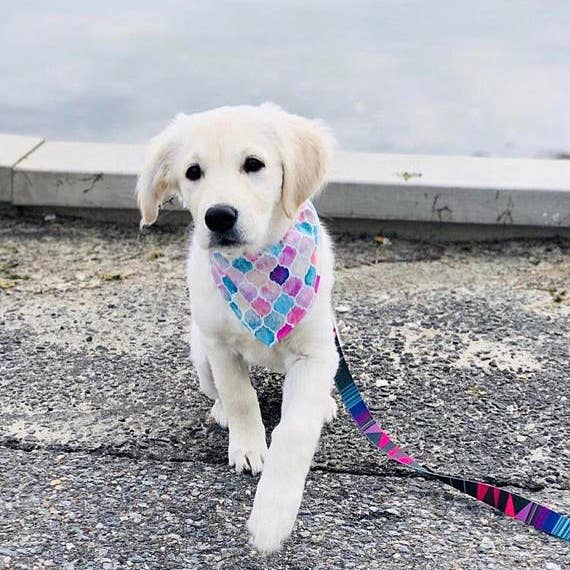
271,292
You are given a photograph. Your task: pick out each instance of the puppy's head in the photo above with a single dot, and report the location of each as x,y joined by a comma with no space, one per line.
243,172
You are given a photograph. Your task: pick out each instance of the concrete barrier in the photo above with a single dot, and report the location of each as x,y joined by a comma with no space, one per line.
450,189
78,175
13,148
400,189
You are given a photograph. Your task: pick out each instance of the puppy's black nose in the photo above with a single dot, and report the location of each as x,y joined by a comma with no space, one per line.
221,217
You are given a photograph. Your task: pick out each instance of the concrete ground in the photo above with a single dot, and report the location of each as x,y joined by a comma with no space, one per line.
107,459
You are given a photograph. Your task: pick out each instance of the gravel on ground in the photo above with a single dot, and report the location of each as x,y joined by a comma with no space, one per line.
108,460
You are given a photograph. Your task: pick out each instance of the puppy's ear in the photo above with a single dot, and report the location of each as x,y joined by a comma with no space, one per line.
307,150
156,182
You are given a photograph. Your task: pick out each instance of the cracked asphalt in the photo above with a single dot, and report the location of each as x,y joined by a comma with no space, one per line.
107,459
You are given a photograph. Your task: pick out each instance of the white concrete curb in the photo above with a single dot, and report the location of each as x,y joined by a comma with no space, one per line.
410,188
13,148
465,190
79,175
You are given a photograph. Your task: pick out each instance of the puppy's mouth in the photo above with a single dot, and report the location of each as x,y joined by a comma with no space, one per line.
228,239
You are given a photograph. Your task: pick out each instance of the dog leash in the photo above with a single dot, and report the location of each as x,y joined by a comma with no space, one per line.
530,513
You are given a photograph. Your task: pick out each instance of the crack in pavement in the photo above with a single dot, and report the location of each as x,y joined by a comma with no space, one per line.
108,451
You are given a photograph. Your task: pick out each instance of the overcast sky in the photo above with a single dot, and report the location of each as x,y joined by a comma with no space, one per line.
437,76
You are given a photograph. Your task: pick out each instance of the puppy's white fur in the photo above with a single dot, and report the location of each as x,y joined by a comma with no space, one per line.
296,153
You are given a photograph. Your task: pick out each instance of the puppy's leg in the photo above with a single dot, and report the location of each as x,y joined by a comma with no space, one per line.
306,405
331,410
205,376
201,363
247,447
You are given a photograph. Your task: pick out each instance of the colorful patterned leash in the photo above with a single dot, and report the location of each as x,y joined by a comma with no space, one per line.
533,514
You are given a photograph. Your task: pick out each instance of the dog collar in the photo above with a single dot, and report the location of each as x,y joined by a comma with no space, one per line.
270,292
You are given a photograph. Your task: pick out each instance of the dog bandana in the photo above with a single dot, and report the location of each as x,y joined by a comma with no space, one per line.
271,291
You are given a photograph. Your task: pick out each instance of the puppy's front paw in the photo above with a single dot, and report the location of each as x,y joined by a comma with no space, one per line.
247,451
272,518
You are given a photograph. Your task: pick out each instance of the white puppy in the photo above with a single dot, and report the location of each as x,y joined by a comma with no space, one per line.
244,173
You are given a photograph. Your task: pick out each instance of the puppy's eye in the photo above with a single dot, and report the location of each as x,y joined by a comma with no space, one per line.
194,172
252,164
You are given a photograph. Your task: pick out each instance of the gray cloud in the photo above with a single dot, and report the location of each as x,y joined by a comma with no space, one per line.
388,75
